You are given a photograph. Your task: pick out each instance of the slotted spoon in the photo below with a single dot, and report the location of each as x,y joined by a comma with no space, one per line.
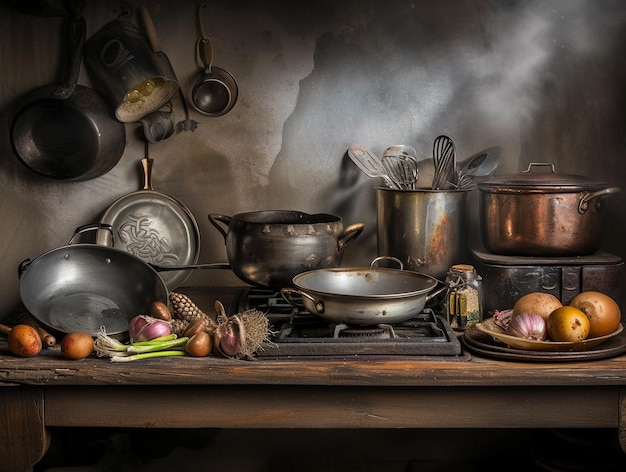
371,165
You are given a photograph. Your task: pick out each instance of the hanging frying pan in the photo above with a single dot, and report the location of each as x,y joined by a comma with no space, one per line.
155,227
68,131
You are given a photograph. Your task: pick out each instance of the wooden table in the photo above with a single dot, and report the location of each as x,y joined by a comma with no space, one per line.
356,392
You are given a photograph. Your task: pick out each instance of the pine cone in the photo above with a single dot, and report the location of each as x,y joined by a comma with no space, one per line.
184,309
179,327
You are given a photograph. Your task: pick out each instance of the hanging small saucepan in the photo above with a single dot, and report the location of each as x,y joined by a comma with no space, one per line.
67,131
214,91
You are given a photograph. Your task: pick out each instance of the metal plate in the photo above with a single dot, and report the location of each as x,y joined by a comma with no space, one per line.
156,228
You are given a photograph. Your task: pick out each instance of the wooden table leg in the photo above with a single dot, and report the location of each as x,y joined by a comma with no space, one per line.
621,419
23,438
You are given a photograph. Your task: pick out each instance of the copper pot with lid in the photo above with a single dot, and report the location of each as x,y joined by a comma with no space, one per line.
536,213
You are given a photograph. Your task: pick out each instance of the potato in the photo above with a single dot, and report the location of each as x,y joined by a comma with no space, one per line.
537,302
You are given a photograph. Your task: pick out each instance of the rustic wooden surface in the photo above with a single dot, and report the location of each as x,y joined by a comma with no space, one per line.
351,392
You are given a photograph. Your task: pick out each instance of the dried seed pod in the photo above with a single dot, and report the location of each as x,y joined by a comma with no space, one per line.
184,309
179,327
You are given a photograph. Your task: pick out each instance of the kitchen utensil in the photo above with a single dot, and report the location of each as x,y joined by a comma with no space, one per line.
214,91
426,229
400,164
481,164
444,157
83,287
362,295
542,213
159,125
121,63
491,328
268,248
370,164
67,131
153,226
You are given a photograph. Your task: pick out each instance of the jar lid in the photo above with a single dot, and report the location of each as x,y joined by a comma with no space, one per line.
462,268
532,179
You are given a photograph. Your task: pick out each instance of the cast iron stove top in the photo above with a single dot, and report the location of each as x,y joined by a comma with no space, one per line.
297,332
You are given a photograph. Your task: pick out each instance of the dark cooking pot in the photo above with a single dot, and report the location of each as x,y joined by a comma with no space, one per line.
362,295
268,248
542,213
82,287
67,131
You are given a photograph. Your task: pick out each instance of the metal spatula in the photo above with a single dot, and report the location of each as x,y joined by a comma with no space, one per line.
370,164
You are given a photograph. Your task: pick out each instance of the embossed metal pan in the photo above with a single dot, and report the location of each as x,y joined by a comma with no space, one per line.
155,227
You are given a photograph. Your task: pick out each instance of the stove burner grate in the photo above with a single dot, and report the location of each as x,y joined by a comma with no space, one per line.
299,333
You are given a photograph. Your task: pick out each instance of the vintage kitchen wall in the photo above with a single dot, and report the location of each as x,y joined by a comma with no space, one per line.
544,80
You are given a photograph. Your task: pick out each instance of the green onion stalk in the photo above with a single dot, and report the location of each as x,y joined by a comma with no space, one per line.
163,346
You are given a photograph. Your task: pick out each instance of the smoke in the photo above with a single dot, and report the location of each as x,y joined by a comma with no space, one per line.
527,44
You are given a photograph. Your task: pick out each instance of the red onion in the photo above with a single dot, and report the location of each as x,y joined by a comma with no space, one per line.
145,328
528,325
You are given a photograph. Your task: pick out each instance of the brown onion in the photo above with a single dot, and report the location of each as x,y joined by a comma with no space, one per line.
145,328
528,325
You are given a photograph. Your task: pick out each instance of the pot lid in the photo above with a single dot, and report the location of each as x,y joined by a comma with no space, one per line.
534,178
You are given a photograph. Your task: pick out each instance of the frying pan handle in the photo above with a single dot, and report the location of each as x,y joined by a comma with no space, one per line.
91,227
76,37
350,234
287,293
216,220
146,165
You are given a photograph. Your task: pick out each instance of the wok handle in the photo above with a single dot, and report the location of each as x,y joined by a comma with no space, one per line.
350,234
583,205
287,293
216,220
91,227
216,265
23,266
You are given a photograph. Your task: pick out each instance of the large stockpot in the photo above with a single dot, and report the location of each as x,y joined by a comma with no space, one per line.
82,287
535,213
425,229
362,295
268,248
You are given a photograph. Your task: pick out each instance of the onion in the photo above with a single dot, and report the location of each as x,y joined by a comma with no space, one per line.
528,325
145,328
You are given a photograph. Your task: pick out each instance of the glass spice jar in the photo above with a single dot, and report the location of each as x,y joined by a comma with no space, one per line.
465,296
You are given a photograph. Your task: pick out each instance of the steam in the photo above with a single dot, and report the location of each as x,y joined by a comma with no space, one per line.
525,44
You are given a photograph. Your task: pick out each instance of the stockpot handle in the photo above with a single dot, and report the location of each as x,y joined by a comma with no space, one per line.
583,205
216,220
288,292
91,227
350,234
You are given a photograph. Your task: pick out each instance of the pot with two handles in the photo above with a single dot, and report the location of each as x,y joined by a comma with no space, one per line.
268,248
542,213
363,296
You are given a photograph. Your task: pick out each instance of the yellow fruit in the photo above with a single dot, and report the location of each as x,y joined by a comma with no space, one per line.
537,302
568,324
603,312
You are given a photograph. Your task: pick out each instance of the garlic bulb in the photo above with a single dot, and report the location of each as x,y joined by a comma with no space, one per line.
528,325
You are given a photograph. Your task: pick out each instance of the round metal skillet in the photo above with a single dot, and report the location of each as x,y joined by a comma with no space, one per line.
155,227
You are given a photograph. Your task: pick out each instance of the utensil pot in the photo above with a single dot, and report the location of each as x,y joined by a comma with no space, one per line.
425,229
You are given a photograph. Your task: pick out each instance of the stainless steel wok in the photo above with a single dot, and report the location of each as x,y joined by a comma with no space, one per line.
362,295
